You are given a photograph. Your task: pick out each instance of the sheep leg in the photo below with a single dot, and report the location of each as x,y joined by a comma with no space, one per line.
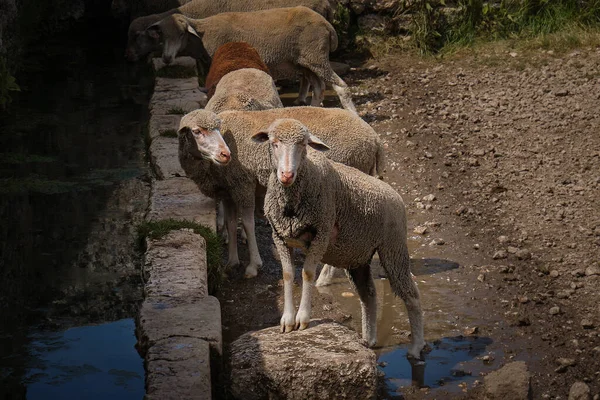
255,260
303,91
221,222
362,280
308,279
326,276
318,92
230,211
395,262
287,323
341,88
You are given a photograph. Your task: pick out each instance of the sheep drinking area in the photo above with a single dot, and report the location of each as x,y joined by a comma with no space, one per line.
242,222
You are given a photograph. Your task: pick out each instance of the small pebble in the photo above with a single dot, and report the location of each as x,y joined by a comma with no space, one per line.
554,310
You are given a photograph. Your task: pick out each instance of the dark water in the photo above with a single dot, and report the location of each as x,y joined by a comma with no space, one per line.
73,185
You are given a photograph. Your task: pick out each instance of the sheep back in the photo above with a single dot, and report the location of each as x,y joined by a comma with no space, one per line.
352,141
246,89
231,57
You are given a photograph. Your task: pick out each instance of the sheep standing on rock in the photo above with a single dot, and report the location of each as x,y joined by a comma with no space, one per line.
141,42
291,41
352,141
340,216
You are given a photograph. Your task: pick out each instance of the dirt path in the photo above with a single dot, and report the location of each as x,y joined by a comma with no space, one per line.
501,165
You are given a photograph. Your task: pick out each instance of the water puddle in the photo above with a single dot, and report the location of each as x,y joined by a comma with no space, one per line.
87,362
454,361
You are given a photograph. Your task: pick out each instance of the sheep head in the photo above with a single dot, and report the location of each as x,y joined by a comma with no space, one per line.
204,127
174,32
288,139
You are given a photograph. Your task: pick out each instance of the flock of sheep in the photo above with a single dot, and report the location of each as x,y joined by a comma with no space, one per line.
320,166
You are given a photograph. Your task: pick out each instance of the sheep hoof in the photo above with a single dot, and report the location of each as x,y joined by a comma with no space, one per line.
414,352
251,271
287,323
299,102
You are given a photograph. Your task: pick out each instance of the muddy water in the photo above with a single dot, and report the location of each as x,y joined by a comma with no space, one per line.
73,184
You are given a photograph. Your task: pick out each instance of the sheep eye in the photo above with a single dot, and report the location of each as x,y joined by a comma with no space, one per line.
196,131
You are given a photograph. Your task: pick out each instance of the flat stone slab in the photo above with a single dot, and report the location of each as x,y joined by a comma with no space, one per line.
180,198
169,84
164,318
158,63
512,381
177,101
327,361
178,369
163,123
175,266
164,156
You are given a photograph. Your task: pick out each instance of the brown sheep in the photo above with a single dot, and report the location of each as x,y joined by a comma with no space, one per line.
231,57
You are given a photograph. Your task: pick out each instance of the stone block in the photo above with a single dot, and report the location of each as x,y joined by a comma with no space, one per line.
158,63
165,158
180,198
178,369
162,123
327,361
163,318
170,84
175,266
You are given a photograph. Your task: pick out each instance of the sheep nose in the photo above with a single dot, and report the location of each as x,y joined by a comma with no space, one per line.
167,60
225,155
287,177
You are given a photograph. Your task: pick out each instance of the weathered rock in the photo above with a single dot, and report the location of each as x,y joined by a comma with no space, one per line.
592,270
189,62
178,368
372,23
580,391
340,68
163,123
325,361
165,318
164,156
509,382
180,198
170,84
361,6
175,266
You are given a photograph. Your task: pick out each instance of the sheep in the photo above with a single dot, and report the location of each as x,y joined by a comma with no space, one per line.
352,141
141,42
289,40
137,8
232,57
247,89
337,215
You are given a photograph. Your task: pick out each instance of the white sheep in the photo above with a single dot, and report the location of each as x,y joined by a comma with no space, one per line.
351,139
247,89
291,41
141,43
337,215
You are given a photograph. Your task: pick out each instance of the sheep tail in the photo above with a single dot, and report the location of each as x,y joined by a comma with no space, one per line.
333,38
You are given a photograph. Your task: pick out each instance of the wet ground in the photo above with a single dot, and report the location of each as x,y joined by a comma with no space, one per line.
466,328
73,184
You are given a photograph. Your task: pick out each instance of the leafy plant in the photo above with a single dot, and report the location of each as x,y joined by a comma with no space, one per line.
8,84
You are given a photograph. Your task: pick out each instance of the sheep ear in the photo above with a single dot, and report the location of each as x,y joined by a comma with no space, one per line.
183,130
191,30
260,137
316,143
154,31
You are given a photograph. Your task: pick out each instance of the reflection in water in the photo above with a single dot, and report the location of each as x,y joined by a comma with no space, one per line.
451,360
73,184
95,362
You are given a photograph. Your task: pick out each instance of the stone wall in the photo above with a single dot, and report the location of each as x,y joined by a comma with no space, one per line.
179,326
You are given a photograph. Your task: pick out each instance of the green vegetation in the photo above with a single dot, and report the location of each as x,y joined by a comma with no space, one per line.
176,72
171,133
435,29
214,246
176,110
8,84
341,21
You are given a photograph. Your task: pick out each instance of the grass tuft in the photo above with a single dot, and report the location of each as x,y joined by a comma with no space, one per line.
170,133
214,247
176,72
176,111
